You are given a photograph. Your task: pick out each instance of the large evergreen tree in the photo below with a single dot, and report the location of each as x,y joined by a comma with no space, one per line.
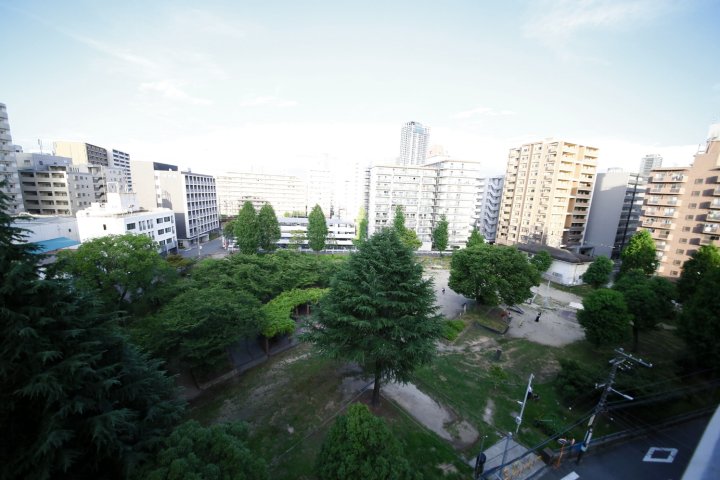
702,261
77,400
440,235
639,254
380,312
268,228
247,234
317,230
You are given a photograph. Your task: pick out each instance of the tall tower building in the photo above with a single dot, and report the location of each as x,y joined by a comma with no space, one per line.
682,207
488,206
648,162
547,192
413,144
8,167
82,153
121,161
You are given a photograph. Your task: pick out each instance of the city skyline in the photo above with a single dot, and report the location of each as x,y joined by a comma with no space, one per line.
215,88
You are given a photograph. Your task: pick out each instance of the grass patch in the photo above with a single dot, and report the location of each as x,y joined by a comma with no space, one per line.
489,317
452,329
580,290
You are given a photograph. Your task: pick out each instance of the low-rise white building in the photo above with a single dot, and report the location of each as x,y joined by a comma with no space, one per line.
121,214
567,267
293,233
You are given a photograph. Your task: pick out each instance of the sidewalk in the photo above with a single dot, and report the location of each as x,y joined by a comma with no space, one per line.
520,470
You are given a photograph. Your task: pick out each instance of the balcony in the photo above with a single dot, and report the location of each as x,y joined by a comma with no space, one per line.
3,114
5,137
661,235
711,228
662,200
715,204
710,240
659,212
716,192
713,217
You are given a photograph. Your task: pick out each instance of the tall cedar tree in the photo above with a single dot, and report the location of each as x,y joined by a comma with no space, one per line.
440,235
605,317
268,228
492,274
542,261
639,254
247,234
598,273
77,400
700,321
380,312
475,238
359,446
317,230
702,261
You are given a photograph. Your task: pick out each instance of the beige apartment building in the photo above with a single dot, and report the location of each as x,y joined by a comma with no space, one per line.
547,193
682,207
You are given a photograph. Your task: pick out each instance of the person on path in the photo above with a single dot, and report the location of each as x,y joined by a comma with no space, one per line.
537,319
443,290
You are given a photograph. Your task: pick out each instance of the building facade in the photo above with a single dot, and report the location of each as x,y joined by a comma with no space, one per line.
682,207
293,233
51,185
8,167
286,193
121,161
648,162
413,144
488,206
546,195
82,153
617,204
191,196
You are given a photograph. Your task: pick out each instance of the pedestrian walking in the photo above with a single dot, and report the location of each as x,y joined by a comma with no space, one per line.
443,290
537,319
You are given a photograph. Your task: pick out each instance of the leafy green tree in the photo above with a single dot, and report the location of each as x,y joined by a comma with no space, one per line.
407,236
475,238
229,229
649,301
199,324
605,317
220,451
541,261
77,400
359,446
297,239
399,220
700,321
598,273
268,228
247,231
380,312
317,229
639,254
120,268
492,274
705,259
362,233
440,235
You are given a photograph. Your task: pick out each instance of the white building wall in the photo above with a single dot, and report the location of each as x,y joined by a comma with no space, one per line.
8,168
566,273
286,193
42,228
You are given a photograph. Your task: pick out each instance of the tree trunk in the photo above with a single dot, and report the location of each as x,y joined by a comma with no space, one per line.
376,388
636,339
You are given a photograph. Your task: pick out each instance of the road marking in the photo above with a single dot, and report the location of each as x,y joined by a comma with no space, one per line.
666,455
571,476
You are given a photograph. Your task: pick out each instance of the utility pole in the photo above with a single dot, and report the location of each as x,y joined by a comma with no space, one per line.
617,362
528,391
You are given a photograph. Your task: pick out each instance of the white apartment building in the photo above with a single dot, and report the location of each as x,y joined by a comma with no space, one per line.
8,168
121,214
286,193
547,193
192,196
488,206
413,144
121,161
41,228
51,185
648,162
293,233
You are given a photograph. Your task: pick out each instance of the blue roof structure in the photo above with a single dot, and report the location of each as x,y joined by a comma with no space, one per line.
55,244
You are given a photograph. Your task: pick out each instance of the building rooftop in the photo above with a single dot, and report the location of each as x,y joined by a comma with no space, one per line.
556,253
54,244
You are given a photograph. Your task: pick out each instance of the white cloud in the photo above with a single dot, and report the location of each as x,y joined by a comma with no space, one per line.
115,52
172,91
483,111
269,100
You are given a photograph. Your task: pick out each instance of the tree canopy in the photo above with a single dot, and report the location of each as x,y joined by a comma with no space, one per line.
359,446
379,312
317,230
247,233
475,238
542,261
700,320
407,236
217,452
440,235
598,273
639,254
278,311
362,231
605,317
702,261
268,228
492,274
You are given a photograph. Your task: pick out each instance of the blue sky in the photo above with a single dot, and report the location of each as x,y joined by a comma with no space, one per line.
234,85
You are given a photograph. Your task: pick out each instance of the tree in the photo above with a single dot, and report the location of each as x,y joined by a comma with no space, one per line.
541,261
639,254
700,321
247,232
649,301
492,274
440,235
605,317
379,312
220,451
475,238
77,400
598,273
317,230
119,268
359,446
268,228
700,263
407,236
362,233
399,220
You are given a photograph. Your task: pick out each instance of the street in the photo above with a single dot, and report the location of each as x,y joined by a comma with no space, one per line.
211,248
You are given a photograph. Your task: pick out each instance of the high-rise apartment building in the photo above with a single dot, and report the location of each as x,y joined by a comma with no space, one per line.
192,196
488,206
8,168
615,214
121,161
547,192
682,207
648,162
413,144
82,153
286,193
51,185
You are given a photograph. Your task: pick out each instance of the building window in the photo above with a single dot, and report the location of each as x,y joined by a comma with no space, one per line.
695,193
692,205
697,181
679,251
683,240
677,262
674,273
104,227
689,217
130,226
686,229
